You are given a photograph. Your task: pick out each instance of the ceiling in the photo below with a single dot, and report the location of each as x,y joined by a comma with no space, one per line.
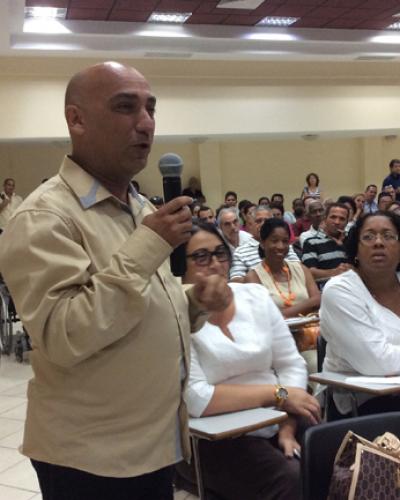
328,30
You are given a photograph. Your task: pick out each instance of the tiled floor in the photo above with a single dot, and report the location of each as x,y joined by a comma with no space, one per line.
17,478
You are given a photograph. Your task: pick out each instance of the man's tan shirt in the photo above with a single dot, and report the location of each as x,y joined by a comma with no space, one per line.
109,327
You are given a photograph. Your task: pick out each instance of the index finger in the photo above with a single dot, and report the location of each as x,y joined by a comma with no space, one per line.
175,205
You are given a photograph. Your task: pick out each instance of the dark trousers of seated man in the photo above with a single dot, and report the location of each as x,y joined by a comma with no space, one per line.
63,483
249,468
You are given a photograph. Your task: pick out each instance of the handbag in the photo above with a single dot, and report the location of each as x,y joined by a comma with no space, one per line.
306,336
366,470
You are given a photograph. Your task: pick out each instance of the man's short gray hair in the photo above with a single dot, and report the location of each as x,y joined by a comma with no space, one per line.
227,210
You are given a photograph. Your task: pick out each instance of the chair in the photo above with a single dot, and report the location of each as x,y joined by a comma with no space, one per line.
320,444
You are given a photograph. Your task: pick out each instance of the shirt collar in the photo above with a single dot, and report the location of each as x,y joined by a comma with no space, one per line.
90,191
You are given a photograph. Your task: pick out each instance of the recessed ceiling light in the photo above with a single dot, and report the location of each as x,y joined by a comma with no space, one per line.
396,15
169,17
394,26
45,12
277,21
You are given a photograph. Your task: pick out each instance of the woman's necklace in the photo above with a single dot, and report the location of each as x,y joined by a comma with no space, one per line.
288,300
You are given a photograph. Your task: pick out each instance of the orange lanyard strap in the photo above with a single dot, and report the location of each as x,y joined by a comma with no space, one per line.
288,300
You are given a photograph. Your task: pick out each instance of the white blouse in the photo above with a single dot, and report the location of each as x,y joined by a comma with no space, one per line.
262,351
363,336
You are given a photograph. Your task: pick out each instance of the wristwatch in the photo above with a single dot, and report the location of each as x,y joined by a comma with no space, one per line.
281,395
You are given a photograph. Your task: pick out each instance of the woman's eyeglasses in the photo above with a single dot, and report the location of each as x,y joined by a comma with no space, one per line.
386,237
203,257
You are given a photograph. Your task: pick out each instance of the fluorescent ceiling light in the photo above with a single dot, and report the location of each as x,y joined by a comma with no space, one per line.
394,26
385,39
277,37
44,25
169,17
45,12
163,34
239,4
277,21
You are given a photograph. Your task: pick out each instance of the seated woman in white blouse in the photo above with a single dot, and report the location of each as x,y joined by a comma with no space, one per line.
245,357
360,311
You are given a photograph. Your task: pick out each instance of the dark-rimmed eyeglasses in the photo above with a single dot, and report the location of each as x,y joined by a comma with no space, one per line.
203,257
386,237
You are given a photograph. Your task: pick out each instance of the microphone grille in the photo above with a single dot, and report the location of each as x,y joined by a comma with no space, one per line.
170,165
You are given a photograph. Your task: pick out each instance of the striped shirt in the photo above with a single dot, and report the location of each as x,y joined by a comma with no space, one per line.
246,257
323,252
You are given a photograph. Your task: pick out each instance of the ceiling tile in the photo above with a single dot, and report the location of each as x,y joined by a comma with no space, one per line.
242,20
360,14
328,13
380,4
47,3
207,7
88,14
142,5
206,19
374,24
292,10
266,9
91,4
342,24
314,3
346,3
129,15
309,22
177,5
388,14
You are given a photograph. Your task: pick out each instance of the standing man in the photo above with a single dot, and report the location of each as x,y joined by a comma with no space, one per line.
9,202
370,205
108,322
393,179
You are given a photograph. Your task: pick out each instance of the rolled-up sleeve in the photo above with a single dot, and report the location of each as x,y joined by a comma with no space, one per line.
88,310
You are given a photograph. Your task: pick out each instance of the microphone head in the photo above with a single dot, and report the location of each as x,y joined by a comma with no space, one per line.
170,165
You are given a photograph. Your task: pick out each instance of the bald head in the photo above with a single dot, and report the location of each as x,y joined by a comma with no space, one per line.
109,110
85,82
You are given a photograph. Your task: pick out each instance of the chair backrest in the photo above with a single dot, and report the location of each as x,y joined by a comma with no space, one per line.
321,442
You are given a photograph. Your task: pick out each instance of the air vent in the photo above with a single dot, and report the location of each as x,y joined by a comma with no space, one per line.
375,58
169,55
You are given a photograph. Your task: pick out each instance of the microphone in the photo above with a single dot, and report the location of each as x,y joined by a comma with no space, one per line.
171,166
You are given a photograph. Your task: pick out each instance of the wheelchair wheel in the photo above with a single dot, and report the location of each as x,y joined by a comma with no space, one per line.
6,328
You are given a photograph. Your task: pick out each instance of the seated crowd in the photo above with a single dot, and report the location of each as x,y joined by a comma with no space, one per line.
336,258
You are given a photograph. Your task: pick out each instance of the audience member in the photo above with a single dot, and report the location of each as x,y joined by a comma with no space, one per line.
393,179
230,199
370,205
290,284
278,198
194,190
108,322
264,201
247,256
315,216
206,214
351,205
395,207
245,358
384,201
324,254
9,202
246,216
312,188
228,224
360,311
278,212
359,200
297,211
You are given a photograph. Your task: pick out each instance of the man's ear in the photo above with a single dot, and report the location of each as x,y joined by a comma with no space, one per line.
75,120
